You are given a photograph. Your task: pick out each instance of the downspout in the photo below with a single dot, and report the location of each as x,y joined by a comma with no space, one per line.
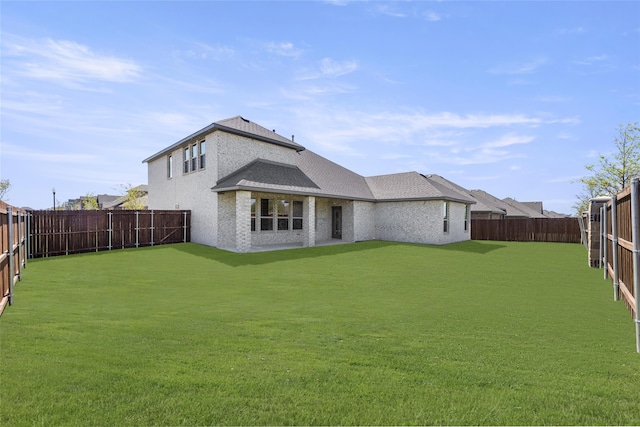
614,246
635,233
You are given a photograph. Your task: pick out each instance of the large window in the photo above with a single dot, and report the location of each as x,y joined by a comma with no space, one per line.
297,215
277,214
445,215
283,214
253,214
266,214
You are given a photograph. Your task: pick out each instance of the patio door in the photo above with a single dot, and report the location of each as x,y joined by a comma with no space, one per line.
336,222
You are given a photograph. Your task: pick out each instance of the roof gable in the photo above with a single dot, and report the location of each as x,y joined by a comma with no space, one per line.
237,125
264,174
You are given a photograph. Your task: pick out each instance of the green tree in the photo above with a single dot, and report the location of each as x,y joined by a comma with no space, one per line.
90,202
5,185
612,173
133,197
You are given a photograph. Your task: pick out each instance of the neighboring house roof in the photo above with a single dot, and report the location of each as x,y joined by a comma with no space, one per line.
552,214
523,207
237,125
536,206
120,200
492,201
479,206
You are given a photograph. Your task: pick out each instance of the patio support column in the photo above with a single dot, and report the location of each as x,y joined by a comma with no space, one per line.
309,221
243,221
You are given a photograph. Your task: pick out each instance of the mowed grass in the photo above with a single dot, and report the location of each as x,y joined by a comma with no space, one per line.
375,333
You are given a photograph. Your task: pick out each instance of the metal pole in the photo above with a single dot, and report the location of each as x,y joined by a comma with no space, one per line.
614,247
137,227
109,214
635,233
12,267
184,227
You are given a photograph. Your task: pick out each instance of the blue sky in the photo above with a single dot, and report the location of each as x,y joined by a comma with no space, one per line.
513,98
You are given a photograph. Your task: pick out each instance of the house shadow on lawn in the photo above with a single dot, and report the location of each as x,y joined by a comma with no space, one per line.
473,246
234,259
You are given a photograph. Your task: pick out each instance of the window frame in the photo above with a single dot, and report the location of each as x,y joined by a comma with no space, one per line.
446,217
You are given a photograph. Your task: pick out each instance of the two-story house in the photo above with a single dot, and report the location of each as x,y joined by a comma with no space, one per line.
247,186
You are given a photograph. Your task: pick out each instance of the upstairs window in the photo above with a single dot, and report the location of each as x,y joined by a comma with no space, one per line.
187,159
203,153
194,157
170,166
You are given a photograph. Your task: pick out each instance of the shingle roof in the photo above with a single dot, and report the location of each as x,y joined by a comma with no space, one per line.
264,174
412,186
532,213
241,124
479,206
237,125
333,179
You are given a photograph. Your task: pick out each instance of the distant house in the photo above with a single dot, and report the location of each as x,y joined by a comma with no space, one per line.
119,202
247,186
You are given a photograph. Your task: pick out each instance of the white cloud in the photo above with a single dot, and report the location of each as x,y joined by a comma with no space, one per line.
432,16
20,152
509,139
386,9
68,62
519,68
332,68
591,60
284,49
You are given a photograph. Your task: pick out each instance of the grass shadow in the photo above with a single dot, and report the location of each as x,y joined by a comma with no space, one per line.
234,259
473,246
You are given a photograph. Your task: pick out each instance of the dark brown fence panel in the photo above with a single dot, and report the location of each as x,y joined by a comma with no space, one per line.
13,251
70,232
559,230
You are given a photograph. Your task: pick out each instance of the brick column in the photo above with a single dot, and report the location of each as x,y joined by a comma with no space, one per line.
243,221
309,221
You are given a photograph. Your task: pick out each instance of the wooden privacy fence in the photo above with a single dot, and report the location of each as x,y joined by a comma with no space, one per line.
70,232
620,227
560,230
13,250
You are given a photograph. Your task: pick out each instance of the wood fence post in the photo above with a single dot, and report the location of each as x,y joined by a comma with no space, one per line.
137,227
152,227
635,233
614,246
12,268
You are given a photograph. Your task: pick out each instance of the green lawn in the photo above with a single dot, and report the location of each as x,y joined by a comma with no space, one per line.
375,333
